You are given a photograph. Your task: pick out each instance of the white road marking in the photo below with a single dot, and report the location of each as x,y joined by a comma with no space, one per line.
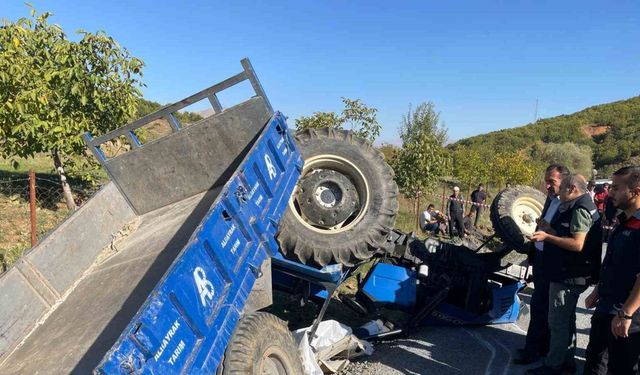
509,357
487,345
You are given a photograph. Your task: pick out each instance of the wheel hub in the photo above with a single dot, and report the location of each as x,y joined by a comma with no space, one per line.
525,213
327,198
328,195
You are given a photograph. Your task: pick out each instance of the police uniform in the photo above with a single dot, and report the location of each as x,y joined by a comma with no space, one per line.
620,269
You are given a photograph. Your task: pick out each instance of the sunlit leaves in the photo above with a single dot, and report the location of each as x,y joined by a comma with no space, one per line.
356,116
53,89
422,160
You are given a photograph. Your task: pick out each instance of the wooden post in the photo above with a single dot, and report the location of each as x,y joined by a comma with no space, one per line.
32,205
444,196
418,211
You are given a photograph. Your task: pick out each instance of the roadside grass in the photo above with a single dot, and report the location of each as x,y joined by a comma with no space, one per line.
41,164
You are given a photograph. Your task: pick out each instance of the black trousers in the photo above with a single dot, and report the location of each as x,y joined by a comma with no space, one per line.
617,355
458,223
538,335
597,358
478,211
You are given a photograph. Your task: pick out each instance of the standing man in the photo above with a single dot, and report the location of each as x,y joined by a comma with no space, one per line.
571,255
615,325
537,340
455,210
478,197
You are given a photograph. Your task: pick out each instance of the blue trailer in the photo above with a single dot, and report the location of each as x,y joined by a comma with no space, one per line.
202,207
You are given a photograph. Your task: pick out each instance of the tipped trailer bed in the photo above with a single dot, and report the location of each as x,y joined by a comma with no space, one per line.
152,274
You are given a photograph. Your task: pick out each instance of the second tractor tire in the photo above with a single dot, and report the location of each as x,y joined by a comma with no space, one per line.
514,213
345,203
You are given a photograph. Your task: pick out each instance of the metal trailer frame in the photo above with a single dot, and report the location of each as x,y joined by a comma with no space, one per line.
128,170
168,112
189,318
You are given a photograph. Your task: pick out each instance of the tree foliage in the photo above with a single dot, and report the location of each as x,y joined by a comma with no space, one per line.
470,168
424,120
576,157
513,167
422,160
389,151
145,107
53,89
355,116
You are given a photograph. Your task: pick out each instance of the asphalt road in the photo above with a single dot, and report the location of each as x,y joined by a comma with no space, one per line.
461,350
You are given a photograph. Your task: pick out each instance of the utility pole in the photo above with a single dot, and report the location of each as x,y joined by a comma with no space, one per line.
535,115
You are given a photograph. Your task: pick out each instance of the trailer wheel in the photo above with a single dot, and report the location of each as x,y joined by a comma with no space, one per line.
261,345
345,203
514,214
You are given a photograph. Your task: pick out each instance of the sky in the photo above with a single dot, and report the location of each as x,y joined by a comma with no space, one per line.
484,64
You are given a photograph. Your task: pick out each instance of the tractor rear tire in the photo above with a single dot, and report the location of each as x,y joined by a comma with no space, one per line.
514,214
261,344
345,203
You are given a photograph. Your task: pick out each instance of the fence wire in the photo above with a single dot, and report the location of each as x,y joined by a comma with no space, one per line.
15,217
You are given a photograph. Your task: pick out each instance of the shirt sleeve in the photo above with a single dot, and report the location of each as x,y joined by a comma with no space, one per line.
581,221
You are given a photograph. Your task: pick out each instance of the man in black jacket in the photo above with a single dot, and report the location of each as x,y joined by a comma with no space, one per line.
614,338
572,258
478,198
456,212
537,340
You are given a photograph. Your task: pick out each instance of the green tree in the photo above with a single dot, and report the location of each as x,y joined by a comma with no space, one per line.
423,121
356,116
576,157
422,160
469,168
145,107
389,151
513,167
53,89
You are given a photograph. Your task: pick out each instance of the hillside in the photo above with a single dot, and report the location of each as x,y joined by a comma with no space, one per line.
612,131
146,106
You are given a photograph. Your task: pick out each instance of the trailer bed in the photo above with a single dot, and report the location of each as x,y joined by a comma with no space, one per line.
78,333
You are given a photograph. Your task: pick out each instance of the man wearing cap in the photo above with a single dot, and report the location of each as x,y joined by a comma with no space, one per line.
456,212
